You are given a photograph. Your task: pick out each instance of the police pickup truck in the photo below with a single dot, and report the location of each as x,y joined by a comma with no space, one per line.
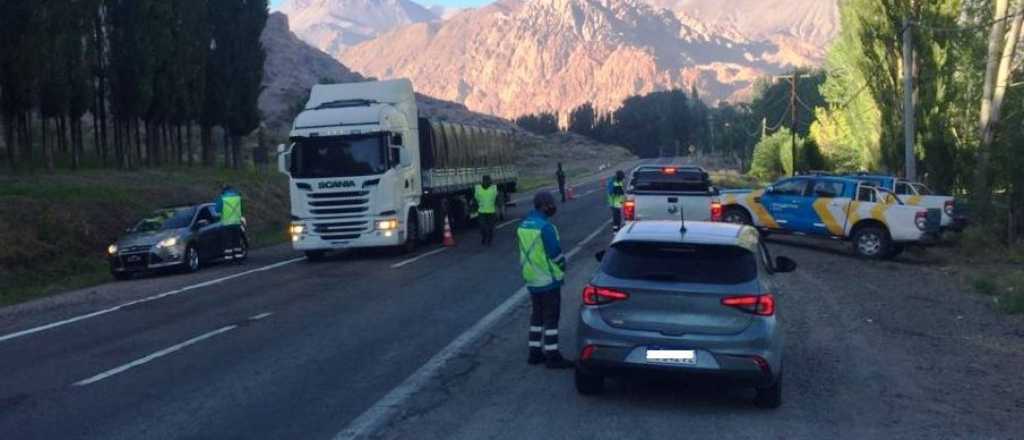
877,223
668,192
917,194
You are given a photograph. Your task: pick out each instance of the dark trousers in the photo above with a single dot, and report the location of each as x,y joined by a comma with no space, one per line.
232,241
547,307
616,218
561,189
486,228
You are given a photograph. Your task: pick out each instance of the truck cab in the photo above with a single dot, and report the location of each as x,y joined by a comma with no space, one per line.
875,220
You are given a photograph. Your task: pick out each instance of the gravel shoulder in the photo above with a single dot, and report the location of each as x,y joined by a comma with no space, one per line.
874,350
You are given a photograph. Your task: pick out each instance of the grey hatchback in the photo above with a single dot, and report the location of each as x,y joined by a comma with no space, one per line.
692,300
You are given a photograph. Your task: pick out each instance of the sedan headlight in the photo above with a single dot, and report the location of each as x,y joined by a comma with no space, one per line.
387,225
168,242
112,249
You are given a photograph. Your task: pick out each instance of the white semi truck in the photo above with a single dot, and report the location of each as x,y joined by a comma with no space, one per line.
366,171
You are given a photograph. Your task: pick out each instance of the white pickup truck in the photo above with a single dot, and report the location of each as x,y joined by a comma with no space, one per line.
670,192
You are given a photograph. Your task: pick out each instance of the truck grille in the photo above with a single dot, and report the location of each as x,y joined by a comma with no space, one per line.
934,218
340,215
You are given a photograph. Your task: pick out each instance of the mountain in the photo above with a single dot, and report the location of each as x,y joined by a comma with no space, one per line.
333,25
522,56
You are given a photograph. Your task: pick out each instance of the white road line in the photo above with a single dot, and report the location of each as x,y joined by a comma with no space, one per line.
387,407
161,353
507,223
145,300
418,258
260,316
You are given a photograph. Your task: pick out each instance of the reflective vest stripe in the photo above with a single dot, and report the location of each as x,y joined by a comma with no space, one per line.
615,200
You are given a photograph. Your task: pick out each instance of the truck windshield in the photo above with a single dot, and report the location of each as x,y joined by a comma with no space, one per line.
340,156
669,180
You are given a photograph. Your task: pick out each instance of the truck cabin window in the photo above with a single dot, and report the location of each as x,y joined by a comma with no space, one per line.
340,156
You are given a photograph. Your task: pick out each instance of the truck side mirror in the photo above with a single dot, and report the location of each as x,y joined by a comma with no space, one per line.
281,148
284,161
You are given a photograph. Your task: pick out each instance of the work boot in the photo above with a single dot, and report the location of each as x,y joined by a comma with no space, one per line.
557,362
536,357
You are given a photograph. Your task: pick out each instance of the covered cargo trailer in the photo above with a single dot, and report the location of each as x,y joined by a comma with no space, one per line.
455,157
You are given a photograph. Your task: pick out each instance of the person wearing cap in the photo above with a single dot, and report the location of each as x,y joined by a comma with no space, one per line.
229,209
616,197
543,267
486,195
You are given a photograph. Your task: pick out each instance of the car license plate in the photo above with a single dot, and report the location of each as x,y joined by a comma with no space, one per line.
134,258
687,357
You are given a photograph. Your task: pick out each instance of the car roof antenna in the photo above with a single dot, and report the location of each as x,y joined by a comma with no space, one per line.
682,219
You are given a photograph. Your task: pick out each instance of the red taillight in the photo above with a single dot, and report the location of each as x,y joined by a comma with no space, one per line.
716,211
629,210
762,364
595,296
587,353
763,305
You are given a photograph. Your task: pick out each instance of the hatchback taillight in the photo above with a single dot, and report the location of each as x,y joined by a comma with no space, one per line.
762,305
595,296
629,210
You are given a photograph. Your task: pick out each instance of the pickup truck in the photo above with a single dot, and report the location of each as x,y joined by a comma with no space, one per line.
670,192
918,194
873,219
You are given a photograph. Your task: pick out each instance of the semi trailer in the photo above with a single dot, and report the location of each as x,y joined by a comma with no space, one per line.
365,170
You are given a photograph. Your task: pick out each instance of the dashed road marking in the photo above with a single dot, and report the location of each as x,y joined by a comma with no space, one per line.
418,258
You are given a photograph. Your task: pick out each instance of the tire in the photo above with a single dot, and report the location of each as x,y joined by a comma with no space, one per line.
191,263
588,384
412,234
770,397
315,256
871,242
737,216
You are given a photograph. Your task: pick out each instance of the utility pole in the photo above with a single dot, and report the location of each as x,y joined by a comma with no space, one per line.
792,123
764,127
910,159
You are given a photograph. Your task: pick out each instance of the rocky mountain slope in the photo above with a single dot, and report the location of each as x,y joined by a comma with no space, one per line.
521,56
333,25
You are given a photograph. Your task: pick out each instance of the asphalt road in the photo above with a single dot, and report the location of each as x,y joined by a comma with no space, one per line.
372,344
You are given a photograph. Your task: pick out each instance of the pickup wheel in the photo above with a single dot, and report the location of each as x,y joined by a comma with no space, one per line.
737,216
872,242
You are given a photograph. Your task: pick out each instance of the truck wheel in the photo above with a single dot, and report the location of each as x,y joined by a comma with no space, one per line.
737,216
588,384
314,256
871,242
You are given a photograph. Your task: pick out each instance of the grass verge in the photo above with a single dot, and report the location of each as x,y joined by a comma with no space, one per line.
994,268
54,228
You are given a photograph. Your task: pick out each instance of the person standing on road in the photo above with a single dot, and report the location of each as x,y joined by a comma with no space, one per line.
616,196
560,176
229,208
543,264
486,195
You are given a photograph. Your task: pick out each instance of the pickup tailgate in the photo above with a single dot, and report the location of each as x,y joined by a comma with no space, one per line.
668,193
671,206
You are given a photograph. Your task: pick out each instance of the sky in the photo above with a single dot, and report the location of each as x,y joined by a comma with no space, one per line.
447,3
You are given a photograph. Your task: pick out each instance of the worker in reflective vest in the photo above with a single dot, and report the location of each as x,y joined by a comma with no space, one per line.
543,264
616,196
486,195
229,208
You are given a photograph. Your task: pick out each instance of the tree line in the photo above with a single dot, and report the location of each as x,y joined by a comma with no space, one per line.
139,78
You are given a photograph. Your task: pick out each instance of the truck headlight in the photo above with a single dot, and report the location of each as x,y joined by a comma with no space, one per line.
168,242
112,249
387,225
296,229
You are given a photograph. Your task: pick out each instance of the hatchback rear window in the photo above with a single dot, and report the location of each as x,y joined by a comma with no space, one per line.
676,180
683,263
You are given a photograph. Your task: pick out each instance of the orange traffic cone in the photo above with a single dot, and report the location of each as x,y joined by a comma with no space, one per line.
449,241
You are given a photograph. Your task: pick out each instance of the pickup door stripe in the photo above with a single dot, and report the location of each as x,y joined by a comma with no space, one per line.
764,219
821,208
914,200
878,212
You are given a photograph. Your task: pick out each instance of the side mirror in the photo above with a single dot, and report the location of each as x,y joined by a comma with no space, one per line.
281,148
784,265
284,161
769,189
599,256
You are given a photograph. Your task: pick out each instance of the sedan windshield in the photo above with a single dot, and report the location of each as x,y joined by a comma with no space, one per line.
684,263
166,219
339,156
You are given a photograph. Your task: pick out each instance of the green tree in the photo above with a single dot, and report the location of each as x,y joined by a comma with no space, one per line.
581,119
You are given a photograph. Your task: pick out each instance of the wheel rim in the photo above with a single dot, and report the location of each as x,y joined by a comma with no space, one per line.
735,218
869,243
193,259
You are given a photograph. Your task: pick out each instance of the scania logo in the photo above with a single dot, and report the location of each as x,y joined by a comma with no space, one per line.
337,184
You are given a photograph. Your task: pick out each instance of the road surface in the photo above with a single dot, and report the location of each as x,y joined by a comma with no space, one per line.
433,345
